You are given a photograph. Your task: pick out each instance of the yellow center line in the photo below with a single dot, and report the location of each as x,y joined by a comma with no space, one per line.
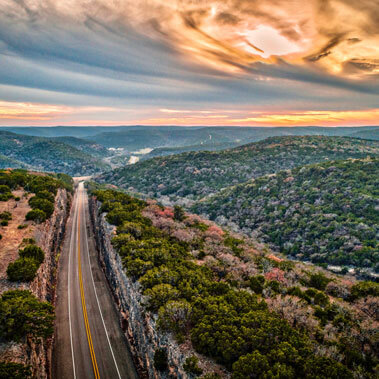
86,323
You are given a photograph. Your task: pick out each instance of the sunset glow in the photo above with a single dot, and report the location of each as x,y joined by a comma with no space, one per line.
105,62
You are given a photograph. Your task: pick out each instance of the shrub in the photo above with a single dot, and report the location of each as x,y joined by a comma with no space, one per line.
160,360
36,215
191,366
4,189
4,223
43,204
257,283
11,370
318,281
33,251
175,316
179,214
22,270
21,314
363,289
6,216
22,226
45,195
159,295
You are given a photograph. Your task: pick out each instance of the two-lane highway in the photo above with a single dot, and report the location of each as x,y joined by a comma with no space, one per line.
89,342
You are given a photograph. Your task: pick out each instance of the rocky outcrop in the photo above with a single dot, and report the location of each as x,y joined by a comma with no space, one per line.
49,237
139,326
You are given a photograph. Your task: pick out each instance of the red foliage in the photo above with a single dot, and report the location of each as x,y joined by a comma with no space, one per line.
275,274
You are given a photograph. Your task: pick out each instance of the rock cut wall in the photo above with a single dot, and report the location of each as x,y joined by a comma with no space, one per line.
139,326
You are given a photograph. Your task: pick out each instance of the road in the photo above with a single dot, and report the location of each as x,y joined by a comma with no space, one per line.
88,342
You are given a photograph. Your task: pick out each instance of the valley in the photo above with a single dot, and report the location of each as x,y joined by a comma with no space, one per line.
208,264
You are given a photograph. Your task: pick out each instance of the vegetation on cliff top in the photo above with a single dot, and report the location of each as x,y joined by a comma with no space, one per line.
249,310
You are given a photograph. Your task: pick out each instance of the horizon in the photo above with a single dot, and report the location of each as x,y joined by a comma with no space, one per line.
189,126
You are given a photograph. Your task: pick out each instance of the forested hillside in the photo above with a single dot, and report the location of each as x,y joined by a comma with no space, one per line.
46,154
232,300
86,146
6,162
326,212
198,174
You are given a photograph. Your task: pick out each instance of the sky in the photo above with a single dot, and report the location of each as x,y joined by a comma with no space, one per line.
189,62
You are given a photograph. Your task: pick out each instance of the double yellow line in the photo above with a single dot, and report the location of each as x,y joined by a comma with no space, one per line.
88,330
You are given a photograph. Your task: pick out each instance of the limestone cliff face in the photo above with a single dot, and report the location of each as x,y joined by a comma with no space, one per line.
49,237
138,325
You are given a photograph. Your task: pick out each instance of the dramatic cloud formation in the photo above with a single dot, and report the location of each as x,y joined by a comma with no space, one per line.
269,62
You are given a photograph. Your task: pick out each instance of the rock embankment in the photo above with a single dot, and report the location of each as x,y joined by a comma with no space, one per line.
49,236
139,326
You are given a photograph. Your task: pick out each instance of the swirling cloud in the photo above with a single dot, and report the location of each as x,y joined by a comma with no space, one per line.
156,54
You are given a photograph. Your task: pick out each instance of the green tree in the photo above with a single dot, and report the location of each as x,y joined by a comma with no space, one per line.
36,215
22,270
21,313
254,365
11,370
160,360
191,366
33,251
179,214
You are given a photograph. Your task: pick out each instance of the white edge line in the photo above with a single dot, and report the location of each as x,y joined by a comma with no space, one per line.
97,299
68,287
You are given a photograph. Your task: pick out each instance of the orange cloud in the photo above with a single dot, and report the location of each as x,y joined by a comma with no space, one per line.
31,111
289,118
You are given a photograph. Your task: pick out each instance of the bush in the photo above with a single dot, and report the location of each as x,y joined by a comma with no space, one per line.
46,195
22,314
4,223
36,215
11,370
363,289
22,270
191,366
33,251
160,360
175,316
43,204
6,216
22,226
179,214
318,281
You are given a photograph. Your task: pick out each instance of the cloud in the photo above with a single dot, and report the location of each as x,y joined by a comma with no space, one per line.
186,54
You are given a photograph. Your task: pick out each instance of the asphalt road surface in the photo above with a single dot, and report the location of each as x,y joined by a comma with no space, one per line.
89,342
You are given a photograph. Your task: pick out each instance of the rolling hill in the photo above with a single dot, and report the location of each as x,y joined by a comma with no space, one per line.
194,175
326,212
84,145
47,154
6,162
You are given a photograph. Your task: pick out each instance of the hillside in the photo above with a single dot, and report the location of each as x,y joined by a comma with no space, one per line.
198,174
326,213
84,145
47,154
6,162
235,308
139,137
367,134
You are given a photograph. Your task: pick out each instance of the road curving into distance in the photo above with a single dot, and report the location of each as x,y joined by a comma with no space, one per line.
89,342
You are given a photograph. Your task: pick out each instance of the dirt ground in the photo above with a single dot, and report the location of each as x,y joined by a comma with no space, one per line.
12,236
